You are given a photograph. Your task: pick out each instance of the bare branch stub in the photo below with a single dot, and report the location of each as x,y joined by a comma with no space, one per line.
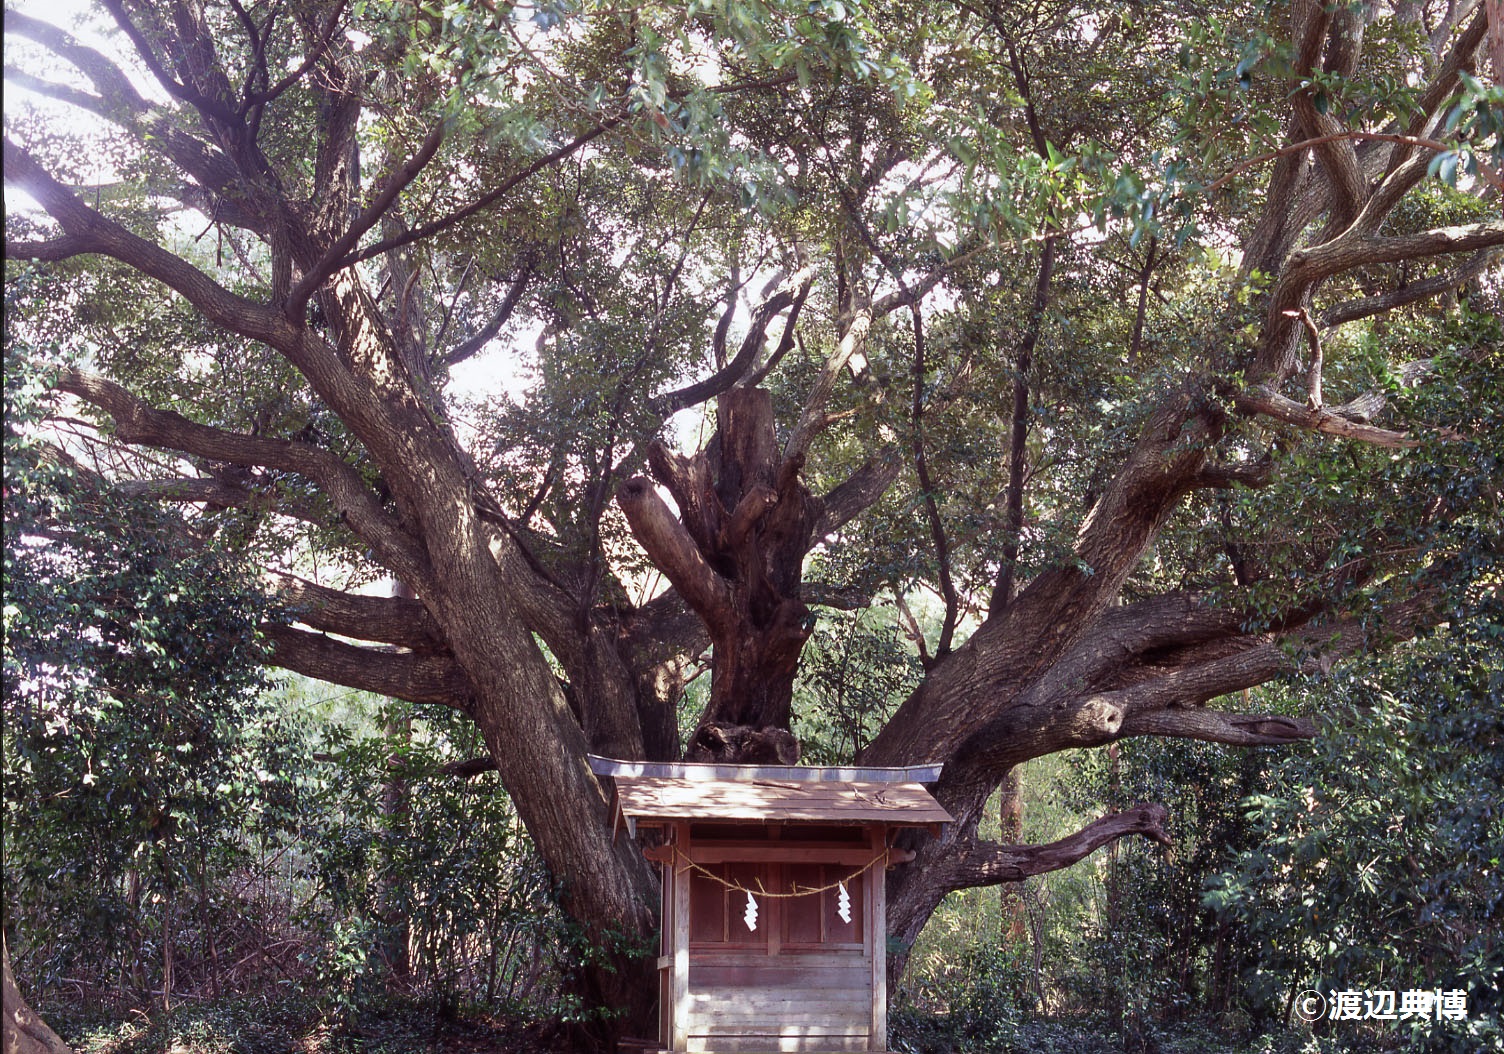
1313,335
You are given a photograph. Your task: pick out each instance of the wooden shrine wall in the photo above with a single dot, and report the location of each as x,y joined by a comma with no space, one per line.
804,979
737,1002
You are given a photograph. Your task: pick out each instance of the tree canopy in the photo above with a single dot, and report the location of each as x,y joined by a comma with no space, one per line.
1121,357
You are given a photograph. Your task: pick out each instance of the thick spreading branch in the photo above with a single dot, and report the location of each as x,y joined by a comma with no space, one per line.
1213,726
113,86
469,767
206,490
671,549
1460,57
741,366
358,507
1446,281
487,333
228,486
1307,641
89,232
1250,475
65,93
1311,22
333,259
1260,399
858,492
412,676
1170,654
1058,609
187,93
1306,269
813,419
118,101
1356,215
987,864
388,620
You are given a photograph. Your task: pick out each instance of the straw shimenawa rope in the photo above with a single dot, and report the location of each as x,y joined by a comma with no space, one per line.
797,891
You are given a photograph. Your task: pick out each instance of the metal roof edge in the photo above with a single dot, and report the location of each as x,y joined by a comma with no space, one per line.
697,770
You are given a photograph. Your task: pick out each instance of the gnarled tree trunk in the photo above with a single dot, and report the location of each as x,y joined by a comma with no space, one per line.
23,1031
736,554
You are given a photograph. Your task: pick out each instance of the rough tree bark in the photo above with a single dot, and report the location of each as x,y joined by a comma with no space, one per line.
23,1031
1010,831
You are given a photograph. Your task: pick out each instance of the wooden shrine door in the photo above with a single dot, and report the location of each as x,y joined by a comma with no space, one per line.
800,972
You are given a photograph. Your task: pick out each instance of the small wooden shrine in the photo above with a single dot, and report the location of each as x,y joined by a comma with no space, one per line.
774,927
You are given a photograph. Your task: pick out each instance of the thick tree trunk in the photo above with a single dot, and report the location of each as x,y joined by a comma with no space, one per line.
24,1032
606,885
736,554
1010,807
476,584
1014,691
396,807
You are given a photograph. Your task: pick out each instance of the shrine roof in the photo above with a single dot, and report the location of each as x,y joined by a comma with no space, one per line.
772,793
695,770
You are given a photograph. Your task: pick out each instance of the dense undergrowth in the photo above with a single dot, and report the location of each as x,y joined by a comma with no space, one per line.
270,1024
1368,860
354,895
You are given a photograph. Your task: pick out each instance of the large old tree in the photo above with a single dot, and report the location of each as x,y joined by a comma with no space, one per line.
1100,344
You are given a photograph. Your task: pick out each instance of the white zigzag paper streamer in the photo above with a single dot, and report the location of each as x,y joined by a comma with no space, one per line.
843,902
750,917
